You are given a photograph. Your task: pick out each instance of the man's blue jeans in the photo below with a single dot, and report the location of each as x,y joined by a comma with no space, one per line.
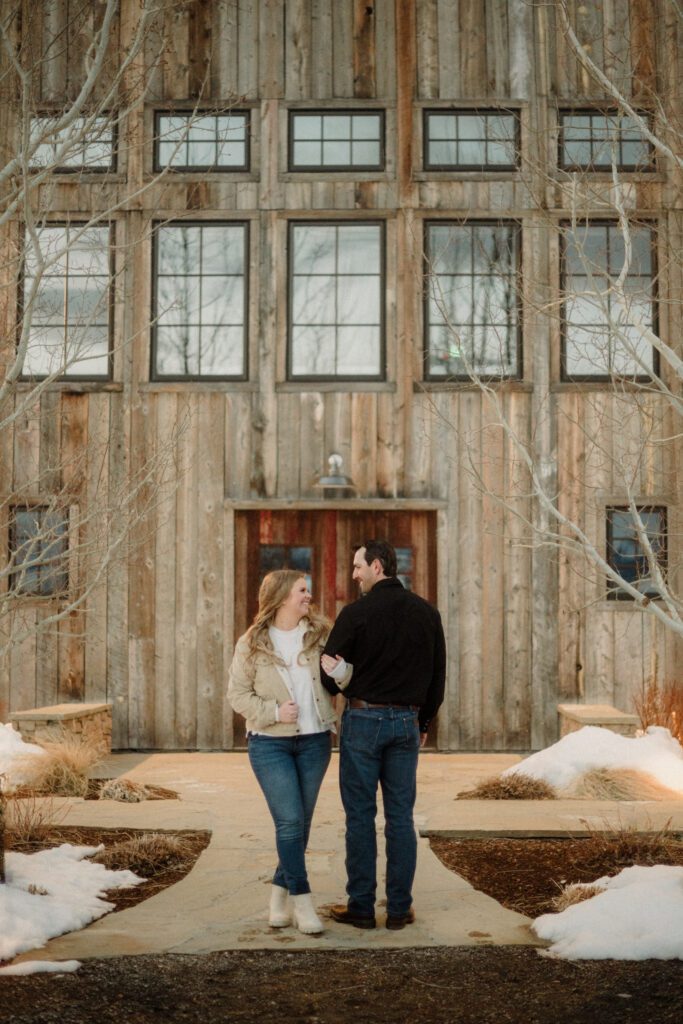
379,746
290,770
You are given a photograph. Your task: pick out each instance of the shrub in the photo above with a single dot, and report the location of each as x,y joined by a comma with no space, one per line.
64,768
29,818
661,704
618,784
511,787
146,855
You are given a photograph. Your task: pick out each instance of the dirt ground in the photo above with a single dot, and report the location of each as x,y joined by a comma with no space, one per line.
508,985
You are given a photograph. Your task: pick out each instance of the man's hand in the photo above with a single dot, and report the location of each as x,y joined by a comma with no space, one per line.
329,663
288,712
423,739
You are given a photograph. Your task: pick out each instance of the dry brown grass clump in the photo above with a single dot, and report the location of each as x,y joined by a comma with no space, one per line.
146,855
511,787
574,893
626,845
63,769
123,789
30,818
618,784
661,704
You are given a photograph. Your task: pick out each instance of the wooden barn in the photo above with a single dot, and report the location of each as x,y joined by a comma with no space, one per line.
331,271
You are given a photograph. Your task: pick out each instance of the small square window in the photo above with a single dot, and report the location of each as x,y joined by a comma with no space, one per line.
87,144
196,141
605,331
287,556
38,551
334,141
598,140
66,299
626,553
336,310
470,140
200,313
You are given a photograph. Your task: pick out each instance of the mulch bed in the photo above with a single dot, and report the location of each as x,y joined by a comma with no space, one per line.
525,874
194,842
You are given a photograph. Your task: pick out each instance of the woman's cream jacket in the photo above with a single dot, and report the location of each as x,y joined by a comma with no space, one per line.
256,686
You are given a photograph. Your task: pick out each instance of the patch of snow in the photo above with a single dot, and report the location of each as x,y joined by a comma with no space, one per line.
42,967
639,916
12,750
656,752
73,887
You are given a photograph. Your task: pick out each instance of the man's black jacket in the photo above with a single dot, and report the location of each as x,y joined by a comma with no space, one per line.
394,640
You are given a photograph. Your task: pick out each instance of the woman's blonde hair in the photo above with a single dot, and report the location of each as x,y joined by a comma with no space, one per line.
274,590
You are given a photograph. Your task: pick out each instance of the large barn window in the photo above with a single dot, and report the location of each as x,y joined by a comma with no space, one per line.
38,551
626,552
202,141
470,140
471,308
86,144
595,141
336,301
200,301
338,140
66,298
606,322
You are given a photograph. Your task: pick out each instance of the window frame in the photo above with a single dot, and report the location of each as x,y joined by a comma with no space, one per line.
323,112
62,378
428,165
596,378
156,378
445,379
159,168
591,168
82,168
614,591
66,515
381,376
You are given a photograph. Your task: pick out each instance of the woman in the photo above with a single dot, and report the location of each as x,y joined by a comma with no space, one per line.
275,684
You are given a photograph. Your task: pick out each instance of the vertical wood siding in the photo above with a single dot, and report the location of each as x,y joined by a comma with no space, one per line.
525,629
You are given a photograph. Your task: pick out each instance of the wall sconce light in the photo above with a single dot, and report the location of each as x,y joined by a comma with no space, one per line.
335,483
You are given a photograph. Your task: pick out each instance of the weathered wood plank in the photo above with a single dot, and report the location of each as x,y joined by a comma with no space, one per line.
165,595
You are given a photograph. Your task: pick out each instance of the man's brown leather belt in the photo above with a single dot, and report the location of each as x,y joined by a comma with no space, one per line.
356,702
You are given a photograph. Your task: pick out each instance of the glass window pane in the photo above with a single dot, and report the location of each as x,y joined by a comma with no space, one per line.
441,126
471,126
221,351
336,126
178,300
359,249
314,248
308,154
223,249
313,351
627,554
178,250
471,152
365,154
307,126
358,351
443,153
358,300
500,153
222,300
587,352
201,154
336,154
366,126
88,300
173,154
177,350
314,300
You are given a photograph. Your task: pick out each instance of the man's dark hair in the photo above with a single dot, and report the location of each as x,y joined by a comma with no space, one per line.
383,550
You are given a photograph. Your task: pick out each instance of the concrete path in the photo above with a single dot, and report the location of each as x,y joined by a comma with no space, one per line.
221,904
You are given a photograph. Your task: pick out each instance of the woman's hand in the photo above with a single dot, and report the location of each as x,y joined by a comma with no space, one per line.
329,663
288,712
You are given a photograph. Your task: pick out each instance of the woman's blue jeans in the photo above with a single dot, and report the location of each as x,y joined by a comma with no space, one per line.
379,746
290,770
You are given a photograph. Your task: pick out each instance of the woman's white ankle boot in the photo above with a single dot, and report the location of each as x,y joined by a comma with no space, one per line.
305,917
280,915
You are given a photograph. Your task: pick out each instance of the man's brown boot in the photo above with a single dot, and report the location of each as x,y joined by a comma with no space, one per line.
343,915
397,921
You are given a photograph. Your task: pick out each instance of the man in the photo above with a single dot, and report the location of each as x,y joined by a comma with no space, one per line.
395,642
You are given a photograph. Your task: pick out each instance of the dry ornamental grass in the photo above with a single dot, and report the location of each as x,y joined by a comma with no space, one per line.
510,787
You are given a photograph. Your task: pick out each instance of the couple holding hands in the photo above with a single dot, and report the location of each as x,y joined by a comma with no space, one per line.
386,653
